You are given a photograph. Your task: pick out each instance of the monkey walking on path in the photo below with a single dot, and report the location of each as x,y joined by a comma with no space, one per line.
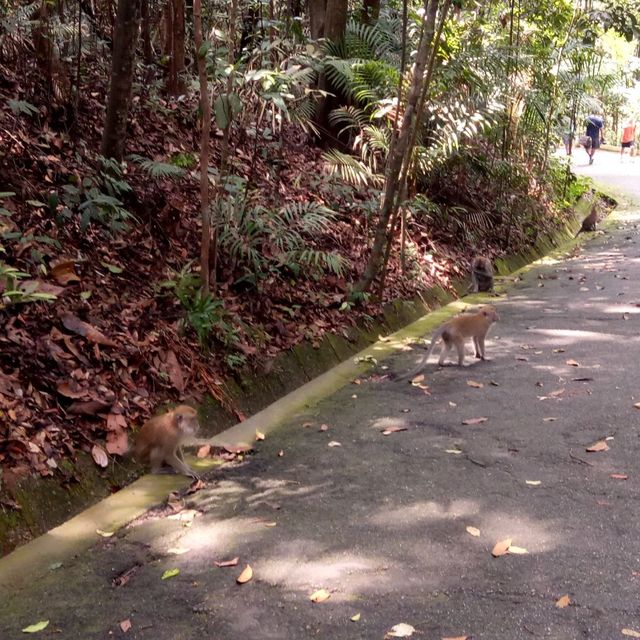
456,331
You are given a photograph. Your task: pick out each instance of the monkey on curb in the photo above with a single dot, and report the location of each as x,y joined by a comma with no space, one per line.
481,274
456,331
160,440
590,222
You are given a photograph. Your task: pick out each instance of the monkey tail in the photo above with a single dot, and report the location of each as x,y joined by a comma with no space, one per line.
423,363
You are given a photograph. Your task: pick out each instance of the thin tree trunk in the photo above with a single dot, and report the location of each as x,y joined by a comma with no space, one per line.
147,51
395,159
205,109
122,67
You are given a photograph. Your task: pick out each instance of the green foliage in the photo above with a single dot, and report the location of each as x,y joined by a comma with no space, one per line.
156,169
257,241
97,199
184,160
206,316
13,293
22,107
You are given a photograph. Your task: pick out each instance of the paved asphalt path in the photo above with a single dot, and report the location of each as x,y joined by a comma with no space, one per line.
381,520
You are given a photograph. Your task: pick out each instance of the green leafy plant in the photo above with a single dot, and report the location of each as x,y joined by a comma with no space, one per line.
98,199
258,241
158,170
205,315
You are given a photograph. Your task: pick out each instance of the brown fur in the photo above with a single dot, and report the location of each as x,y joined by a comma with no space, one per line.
160,440
456,331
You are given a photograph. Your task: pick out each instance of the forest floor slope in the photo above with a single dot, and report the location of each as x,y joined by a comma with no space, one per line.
382,522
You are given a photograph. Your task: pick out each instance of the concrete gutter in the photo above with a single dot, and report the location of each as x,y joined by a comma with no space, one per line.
79,533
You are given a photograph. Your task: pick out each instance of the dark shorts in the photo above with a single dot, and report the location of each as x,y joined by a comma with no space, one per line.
595,142
627,145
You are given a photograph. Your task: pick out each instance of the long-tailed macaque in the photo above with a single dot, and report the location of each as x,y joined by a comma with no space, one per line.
456,331
590,222
481,274
160,440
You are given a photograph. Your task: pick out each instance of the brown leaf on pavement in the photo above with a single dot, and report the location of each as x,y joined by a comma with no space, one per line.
501,548
320,595
572,363
390,430
474,421
601,445
563,602
245,576
619,476
227,563
125,625
259,435
630,633
473,531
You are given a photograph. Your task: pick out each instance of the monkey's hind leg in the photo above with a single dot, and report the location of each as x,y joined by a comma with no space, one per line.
459,342
446,347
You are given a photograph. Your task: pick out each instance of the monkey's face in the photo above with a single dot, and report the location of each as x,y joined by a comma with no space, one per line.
489,311
187,421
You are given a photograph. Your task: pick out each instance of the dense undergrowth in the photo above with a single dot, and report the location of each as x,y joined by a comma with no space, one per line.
126,328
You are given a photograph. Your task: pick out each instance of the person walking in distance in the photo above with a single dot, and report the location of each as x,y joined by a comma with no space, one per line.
628,137
595,129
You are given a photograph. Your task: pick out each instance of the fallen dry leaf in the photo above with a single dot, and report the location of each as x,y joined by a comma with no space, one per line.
401,630
125,625
619,476
307,424
601,445
320,595
227,563
522,358
334,443
474,420
637,405
517,550
259,435
533,483
104,534
418,379
474,384
391,430
501,548
245,576
456,638
174,371
84,329
549,419
204,451
473,531
563,602
64,272
630,633
572,363
558,351
281,453
99,456
355,618
324,427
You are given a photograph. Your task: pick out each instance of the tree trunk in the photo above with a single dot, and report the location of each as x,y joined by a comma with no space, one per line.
147,51
122,67
176,84
205,109
317,12
397,154
370,11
